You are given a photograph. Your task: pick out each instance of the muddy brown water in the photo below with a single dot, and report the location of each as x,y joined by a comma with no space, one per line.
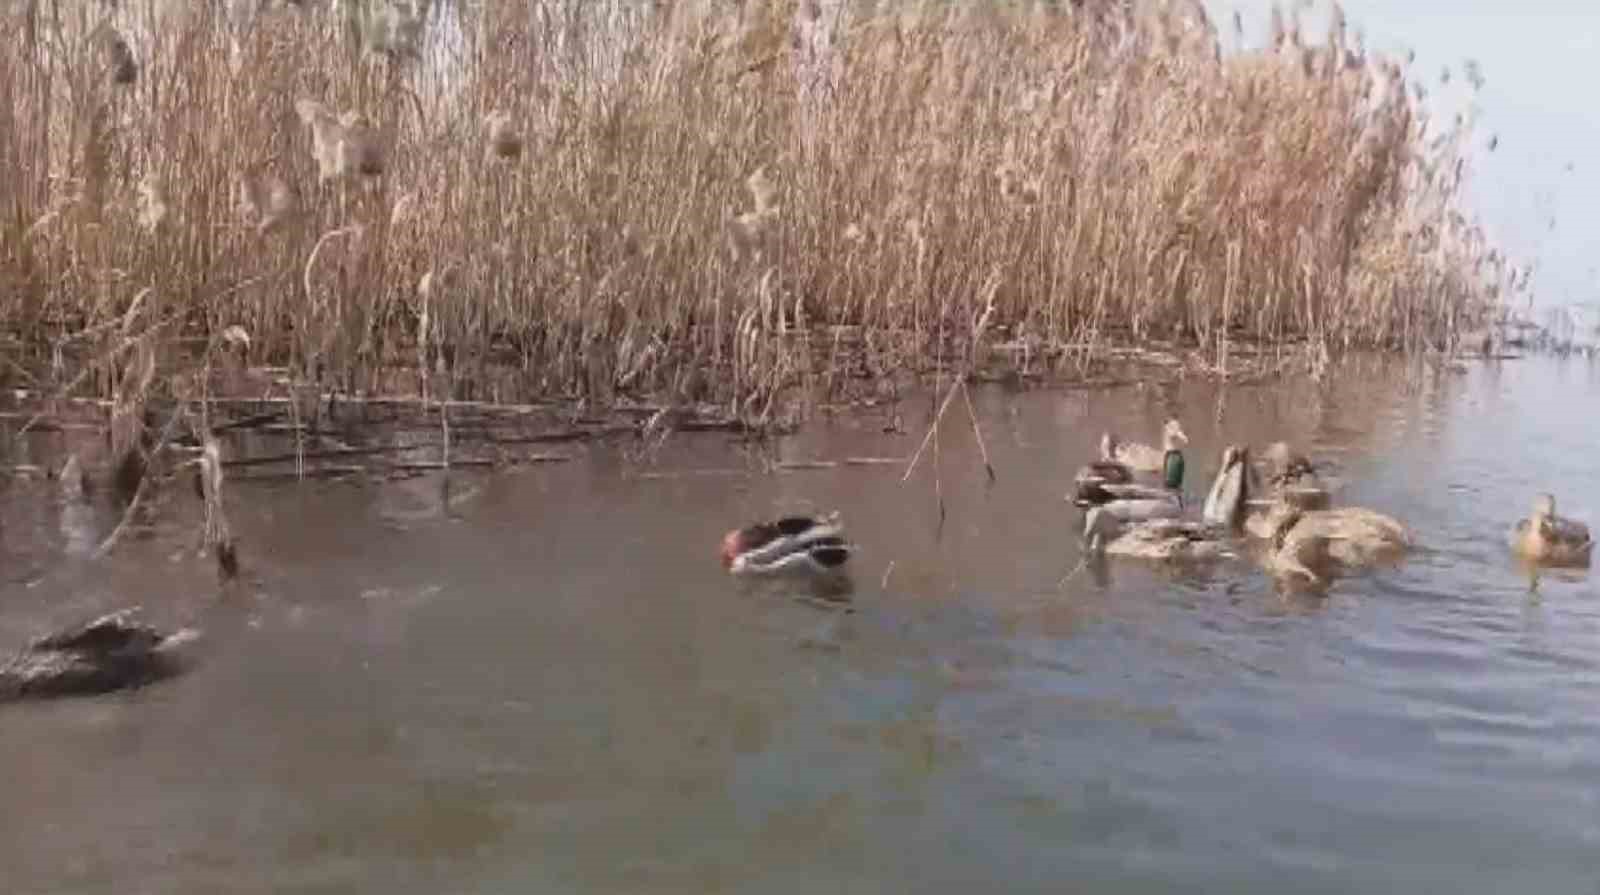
541,681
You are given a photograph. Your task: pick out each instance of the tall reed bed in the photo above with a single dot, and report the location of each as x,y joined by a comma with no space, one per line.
710,200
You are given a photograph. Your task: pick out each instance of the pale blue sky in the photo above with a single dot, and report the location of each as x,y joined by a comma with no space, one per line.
1541,61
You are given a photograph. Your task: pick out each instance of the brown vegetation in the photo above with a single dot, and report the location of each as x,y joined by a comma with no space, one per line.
710,201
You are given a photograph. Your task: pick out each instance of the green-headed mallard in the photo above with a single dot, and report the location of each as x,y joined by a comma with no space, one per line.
1547,538
1109,528
1108,482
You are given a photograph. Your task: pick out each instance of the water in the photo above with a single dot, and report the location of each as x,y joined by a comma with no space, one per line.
547,684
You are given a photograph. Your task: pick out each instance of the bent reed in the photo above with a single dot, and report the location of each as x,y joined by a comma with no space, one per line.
709,201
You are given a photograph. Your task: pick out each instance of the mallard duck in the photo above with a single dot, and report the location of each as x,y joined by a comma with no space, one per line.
1107,470
1547,538
1162,539
112,652
1230,491
1129,501
1233,500
1144,458
798,545
1291,476
1308,544
1285,465
1108,530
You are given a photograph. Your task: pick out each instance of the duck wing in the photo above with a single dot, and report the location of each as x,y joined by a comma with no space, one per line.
1104,472
1101,493
1571,532
831,552
789,526
1143,509
107,634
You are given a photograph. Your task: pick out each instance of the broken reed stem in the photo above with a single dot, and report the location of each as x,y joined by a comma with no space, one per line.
972,416
978,330
444,425
933,428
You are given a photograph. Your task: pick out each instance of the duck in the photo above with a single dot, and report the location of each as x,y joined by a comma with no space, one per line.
800,545
1307,545
1130,503
1547,538
1233,500
1305,537
1173,538
1107,469
1107,480
1125,499
1291,476
1158,539
1229,497
1144,458
115,651
1285,465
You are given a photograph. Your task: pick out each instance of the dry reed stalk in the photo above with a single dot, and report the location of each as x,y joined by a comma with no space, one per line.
702,192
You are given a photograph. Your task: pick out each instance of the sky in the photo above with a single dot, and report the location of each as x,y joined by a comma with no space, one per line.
1540,60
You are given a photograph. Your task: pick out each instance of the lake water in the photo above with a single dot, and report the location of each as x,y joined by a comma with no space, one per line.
542,681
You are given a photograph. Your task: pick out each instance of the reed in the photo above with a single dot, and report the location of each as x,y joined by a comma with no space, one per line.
707,201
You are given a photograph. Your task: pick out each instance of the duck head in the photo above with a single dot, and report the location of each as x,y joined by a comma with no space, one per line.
1173,436
1544,515
1544,507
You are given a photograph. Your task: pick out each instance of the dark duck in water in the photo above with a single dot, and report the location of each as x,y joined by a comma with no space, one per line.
806,546
112,652
1108,482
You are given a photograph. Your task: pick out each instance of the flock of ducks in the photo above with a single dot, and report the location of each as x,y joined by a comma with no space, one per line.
1278,505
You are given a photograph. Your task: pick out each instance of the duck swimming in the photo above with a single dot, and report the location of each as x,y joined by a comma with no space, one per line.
112,652
1309,544
1233,502
1107,470
1172,538
1108,482
1547,538
1303,543
795,545
1291,477
1286,466
1161,539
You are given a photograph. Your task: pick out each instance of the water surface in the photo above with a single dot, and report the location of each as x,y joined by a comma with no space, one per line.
542,681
